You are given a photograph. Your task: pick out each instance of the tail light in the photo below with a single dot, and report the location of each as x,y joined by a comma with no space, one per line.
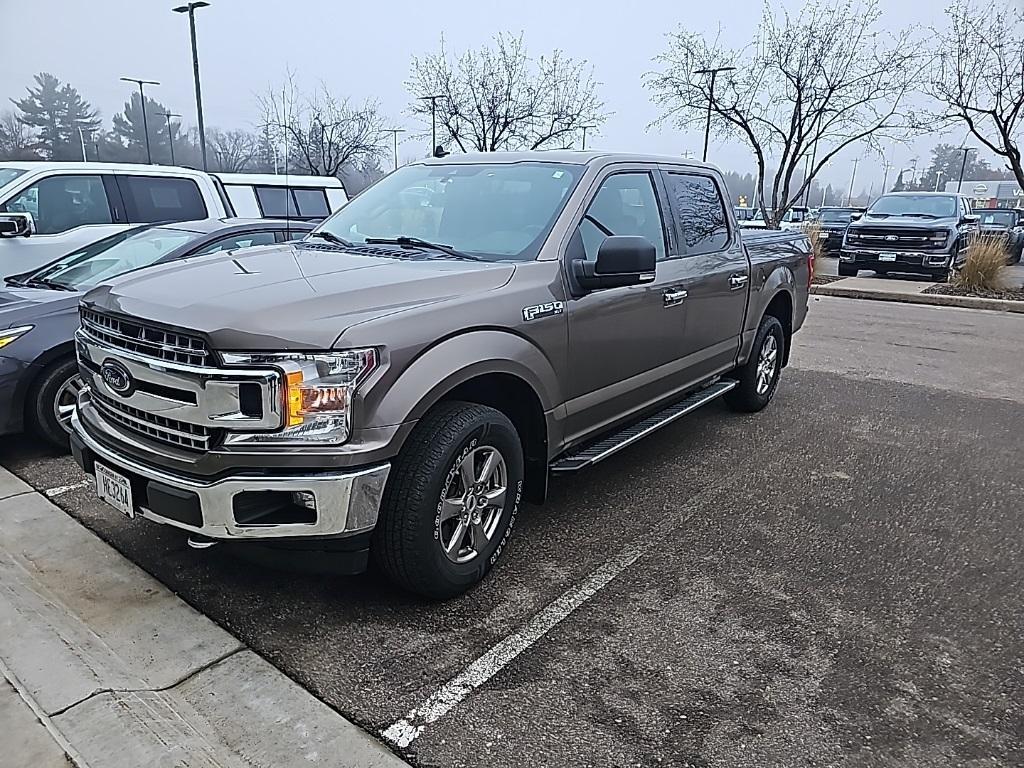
810,266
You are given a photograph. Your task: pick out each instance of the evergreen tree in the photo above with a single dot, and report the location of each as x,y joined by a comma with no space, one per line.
129,129
945,166
56,112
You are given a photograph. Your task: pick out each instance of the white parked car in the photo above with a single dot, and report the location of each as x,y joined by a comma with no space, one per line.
49,209
795,218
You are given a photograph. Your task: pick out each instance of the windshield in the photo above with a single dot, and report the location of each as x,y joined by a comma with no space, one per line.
935,206
493,211
7,175
1002,218
836,215
113,256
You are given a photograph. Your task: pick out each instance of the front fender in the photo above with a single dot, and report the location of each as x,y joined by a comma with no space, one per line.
458,359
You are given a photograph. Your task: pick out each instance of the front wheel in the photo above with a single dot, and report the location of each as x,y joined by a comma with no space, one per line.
451,500
759,376
52,401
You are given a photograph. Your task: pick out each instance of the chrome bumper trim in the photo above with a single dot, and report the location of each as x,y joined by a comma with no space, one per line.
346,502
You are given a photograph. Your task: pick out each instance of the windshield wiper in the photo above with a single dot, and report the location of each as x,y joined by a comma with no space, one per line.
330,237
921,215
42,282
415,242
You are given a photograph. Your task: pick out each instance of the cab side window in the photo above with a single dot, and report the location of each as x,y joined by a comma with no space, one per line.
625,204
152,199
60,203
701,213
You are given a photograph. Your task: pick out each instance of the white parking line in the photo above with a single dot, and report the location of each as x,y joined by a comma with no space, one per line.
60,489
408,729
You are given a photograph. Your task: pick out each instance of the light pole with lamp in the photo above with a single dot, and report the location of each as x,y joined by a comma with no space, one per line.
713,71
190,9
142,106
963,167
170,135
433,121
395,132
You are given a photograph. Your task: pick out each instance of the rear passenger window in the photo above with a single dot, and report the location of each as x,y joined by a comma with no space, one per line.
150,199
624,205
285,202
700,211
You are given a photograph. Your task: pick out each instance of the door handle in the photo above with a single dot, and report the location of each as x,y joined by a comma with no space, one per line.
738,281
674,296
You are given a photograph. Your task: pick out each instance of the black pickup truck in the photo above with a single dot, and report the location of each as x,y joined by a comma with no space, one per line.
918,232
398,384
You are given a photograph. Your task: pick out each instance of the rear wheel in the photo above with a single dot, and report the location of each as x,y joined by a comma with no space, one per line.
451,500
759,376
847,270
52,401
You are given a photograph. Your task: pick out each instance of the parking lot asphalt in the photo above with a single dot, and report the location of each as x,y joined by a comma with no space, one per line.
834,581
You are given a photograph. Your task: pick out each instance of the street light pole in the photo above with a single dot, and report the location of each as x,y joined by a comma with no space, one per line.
963,167
170,136
711,99
142,106
81,137
849,195
190,10
938,180
433,121
585,129
395,132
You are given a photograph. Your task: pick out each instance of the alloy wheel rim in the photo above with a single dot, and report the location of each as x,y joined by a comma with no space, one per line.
766,364
472,504
65,401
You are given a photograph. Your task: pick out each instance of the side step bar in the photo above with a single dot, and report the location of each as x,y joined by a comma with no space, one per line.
612,444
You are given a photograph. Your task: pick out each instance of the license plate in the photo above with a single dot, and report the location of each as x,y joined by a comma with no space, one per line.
115,489
887,257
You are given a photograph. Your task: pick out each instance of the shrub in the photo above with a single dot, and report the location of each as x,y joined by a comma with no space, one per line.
985,265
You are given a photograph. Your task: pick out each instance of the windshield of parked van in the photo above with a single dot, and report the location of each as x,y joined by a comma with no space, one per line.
113,256
7,175
1002,218
836,215
925,206
496,212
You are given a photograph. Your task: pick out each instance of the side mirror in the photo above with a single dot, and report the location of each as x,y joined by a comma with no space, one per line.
621,260
970,218
17,225
856,216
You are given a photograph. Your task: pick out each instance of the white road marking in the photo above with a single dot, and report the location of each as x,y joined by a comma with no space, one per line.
60,489
408,729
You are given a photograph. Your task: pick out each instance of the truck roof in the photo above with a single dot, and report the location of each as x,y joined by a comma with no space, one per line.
568,156
95,166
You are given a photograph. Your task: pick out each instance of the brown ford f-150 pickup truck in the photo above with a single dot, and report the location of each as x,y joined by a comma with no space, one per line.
401,382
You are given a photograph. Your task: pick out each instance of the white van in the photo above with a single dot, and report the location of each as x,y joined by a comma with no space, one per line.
49,209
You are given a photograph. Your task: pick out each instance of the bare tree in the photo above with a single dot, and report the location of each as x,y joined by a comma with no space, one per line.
16,140
980,77
498,98
807,87
233,151
319,131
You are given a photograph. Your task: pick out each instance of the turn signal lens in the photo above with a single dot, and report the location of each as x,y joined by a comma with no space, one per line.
294,380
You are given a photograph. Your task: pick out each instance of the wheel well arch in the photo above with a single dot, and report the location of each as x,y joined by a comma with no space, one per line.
515,398
39,367
781,307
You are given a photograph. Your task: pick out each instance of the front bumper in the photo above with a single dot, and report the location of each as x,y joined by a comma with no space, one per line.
346,503
924,262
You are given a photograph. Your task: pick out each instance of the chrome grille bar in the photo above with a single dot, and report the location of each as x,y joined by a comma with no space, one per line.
170,431
145,339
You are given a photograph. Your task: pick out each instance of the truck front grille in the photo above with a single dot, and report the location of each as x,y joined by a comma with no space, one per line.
144,339
896,239
170,431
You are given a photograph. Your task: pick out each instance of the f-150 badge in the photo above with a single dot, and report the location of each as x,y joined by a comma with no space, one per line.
538,311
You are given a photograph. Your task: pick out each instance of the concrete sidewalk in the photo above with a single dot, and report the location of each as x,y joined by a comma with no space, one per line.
105,668
908,292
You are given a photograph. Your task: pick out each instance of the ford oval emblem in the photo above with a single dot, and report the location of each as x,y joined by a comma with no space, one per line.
117,378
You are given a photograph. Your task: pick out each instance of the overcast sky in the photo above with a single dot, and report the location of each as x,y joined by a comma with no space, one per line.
363,49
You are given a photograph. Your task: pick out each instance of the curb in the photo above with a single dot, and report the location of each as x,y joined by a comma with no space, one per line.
116,671
930,299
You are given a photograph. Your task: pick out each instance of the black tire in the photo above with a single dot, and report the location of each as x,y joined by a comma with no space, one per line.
847,270
882,272
746,397
407,542
41,405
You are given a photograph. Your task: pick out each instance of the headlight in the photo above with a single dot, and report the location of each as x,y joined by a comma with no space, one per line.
318,394
852,234
938,237
10,334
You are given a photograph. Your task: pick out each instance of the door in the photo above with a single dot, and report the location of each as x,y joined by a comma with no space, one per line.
624,343
69,211
715,271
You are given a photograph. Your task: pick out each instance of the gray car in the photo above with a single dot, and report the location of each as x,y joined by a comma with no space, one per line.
39,310
399,384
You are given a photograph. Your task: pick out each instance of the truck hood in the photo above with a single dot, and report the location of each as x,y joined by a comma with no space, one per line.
26,306
904,222
290,296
